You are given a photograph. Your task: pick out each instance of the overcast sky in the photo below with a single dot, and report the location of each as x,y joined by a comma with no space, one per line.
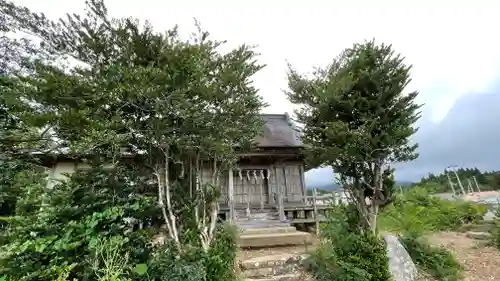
451,45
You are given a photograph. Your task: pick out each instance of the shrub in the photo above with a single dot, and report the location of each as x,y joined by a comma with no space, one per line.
495,230
418,211
436,261
193,264
56,228
347,253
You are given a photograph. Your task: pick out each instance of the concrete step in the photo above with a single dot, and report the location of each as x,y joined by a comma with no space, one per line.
258,216
478,235
274,268
274,239
486,222
260,224
270,271
297,276
272,261
264,230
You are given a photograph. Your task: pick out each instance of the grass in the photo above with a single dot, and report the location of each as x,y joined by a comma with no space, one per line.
416,213
435,261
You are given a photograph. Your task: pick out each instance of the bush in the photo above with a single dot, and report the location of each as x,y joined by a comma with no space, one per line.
495,230
168,264
56,228
418,211
436,261
346,253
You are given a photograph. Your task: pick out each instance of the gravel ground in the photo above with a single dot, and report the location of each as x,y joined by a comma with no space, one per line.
480,263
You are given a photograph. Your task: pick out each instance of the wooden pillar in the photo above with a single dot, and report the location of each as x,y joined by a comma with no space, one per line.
276,186
261,175
247,193
230,192
281,208
269,186
284,187
315,209
303,182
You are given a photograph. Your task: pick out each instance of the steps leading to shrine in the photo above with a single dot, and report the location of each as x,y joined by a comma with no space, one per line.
274,239
274,268
267,230
260,229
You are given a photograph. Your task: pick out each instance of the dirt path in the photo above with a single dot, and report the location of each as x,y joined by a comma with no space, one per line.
480,263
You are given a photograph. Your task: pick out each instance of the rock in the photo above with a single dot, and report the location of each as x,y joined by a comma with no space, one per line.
401,265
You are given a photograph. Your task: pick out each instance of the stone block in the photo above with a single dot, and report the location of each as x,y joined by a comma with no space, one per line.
263,230
274,239
478,235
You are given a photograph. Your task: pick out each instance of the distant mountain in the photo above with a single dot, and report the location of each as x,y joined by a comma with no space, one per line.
404,183
334,186
323,186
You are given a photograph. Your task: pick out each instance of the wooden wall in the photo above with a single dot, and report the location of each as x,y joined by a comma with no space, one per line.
287,178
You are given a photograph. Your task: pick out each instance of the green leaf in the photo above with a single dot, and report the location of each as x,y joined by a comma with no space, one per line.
141,268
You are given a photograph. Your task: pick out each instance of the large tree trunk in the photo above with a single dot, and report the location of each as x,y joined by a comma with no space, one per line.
164,197
209,221
377,198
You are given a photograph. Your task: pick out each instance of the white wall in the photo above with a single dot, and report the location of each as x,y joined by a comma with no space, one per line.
58,173
65,167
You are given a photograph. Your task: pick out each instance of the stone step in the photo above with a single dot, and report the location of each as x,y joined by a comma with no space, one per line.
257,219
264,230
274,239
272,261
257,215
260,224
478,235
485,222
297,276
270,271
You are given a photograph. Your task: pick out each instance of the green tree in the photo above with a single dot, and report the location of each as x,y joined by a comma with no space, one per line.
358,120
111,87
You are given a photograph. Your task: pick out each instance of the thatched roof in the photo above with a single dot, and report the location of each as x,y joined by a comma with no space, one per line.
279,131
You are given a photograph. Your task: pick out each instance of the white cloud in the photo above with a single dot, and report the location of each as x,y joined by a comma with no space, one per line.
451,45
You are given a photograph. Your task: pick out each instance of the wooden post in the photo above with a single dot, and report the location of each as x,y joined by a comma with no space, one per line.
303,183
270,188
230,191
315,208
281,209
477,185
451,183
261,176
459,181
469,186
247,194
